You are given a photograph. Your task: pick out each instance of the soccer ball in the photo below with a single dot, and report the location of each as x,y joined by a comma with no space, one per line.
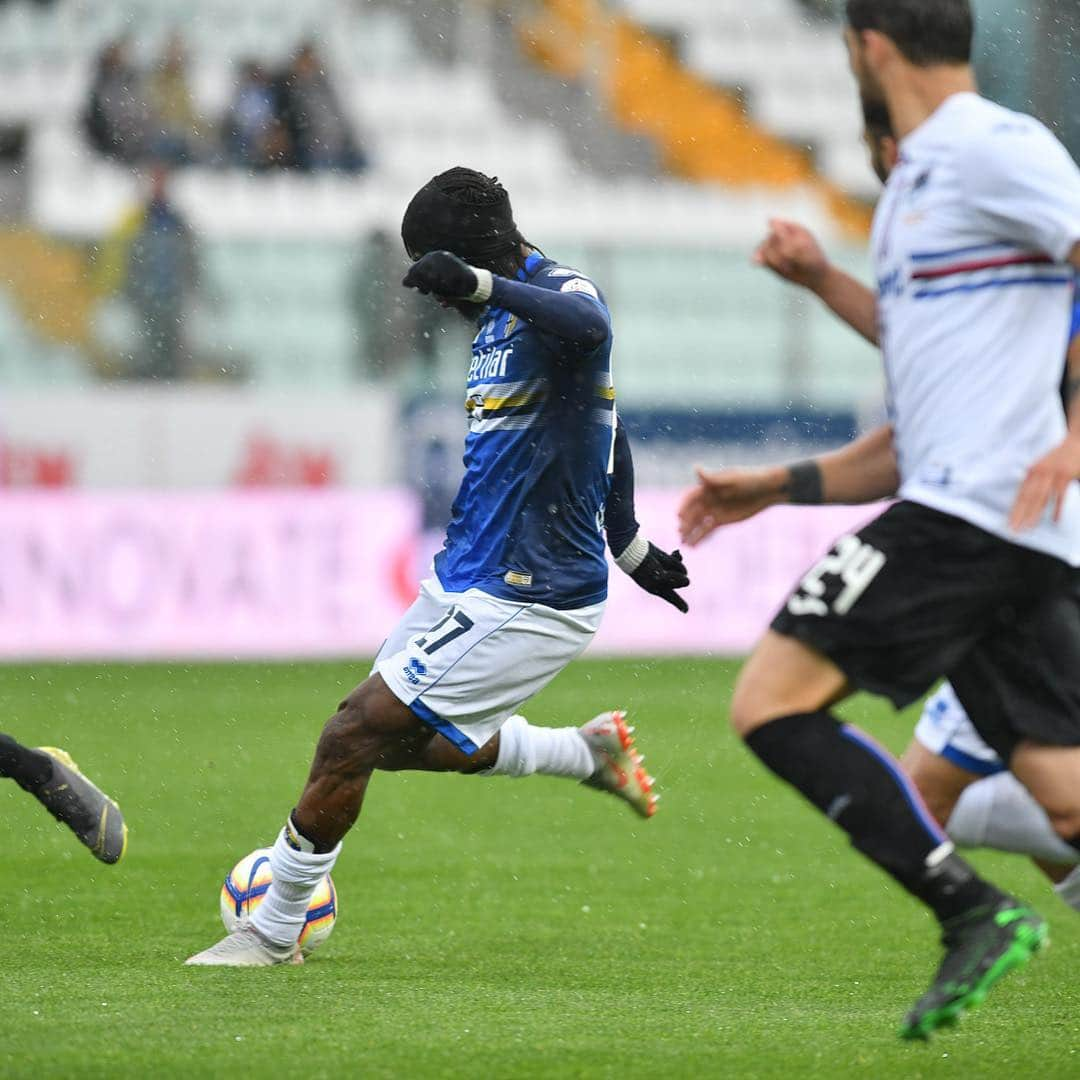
246,885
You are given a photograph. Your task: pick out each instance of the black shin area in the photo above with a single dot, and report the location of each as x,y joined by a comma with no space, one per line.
28,768
860,787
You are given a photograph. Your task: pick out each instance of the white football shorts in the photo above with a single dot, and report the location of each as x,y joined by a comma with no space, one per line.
946,730
465,662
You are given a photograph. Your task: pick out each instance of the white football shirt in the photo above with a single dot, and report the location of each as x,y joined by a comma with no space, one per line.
975,298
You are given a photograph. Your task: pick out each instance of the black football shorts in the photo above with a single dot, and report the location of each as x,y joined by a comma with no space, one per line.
917,594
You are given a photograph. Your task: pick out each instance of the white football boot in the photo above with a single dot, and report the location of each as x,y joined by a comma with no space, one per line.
246,947
619,767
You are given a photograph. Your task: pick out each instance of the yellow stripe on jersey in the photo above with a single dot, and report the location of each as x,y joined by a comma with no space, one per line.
515,401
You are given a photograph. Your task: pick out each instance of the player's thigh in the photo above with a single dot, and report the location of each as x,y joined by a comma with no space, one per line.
940,782
783,677
481,660
894,605
370,725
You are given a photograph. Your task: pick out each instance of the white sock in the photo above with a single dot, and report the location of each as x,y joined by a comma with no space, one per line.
1069,889
296,875
525,749
999,812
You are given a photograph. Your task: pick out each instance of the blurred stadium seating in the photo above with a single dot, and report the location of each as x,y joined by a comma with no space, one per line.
279,250
646,141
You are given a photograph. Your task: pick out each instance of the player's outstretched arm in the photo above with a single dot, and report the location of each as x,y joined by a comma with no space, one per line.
863,471
576,317
793,253
655,570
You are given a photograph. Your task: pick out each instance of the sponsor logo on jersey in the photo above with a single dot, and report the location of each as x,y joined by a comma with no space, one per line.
490,363
514,577
563,271
579,284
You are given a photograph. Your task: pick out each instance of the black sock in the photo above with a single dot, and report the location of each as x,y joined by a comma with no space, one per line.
860,787
28,768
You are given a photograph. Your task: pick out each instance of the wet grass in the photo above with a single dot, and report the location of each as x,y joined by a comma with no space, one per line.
489,928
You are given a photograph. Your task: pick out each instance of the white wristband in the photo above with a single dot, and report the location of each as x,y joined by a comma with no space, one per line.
484,284
633,556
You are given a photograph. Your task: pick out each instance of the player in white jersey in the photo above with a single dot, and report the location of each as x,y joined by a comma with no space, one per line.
975,241
963,780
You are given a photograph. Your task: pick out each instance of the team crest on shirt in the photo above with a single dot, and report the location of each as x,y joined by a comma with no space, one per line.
474,406
579,284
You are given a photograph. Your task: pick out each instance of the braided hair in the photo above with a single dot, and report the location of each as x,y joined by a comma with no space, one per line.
464,211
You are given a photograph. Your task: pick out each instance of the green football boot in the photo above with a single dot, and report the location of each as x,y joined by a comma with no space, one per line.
980,948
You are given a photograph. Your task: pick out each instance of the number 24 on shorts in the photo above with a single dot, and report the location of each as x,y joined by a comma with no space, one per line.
451,626
853,564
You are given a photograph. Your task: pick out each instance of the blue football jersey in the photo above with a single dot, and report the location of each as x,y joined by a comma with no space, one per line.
527,523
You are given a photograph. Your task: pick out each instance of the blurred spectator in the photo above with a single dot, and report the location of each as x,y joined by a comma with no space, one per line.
162,284
395,325
255,136
319,135
116,115
178,133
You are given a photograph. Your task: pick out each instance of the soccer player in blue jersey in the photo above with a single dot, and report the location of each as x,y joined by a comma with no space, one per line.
519,588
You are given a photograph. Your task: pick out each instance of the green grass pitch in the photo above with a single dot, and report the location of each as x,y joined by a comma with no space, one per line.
489,928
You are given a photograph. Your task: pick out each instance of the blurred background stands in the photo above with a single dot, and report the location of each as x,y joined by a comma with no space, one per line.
646,142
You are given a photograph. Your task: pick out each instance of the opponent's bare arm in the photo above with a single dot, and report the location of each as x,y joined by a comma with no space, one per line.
1049,478
793,253
863,471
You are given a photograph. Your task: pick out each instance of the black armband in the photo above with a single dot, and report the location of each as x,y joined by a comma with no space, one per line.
805,484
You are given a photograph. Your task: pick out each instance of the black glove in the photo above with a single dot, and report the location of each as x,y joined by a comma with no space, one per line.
661,574
443,274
